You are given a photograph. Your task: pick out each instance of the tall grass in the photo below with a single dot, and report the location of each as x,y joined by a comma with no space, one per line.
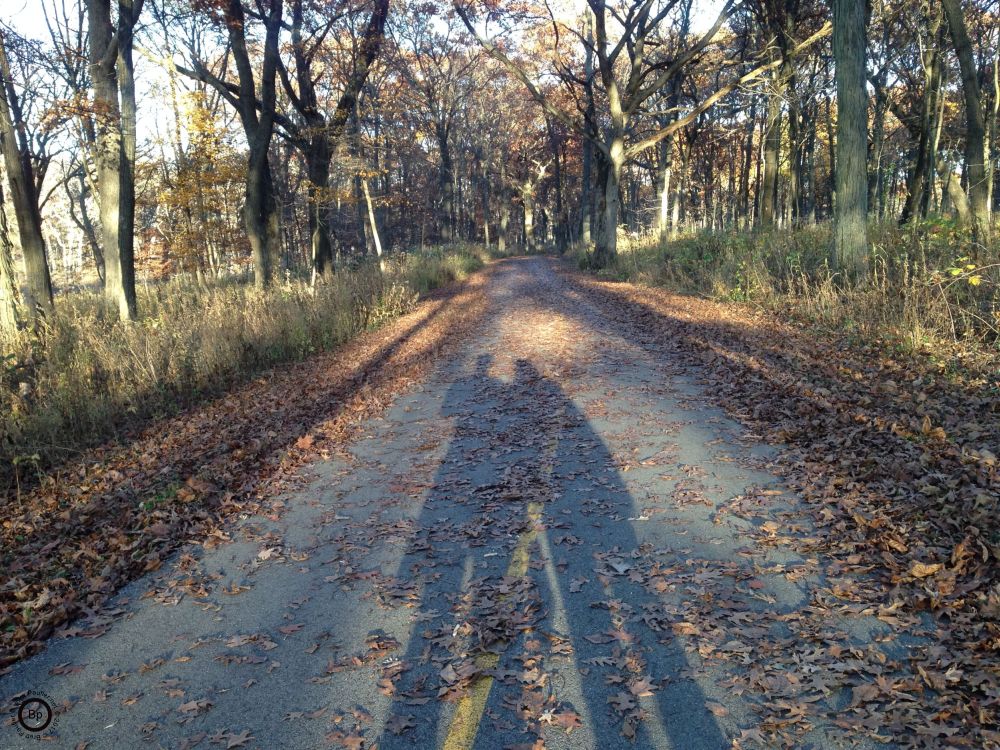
82,378
926,285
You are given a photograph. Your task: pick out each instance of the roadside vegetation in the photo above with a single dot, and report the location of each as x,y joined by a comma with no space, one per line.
926,287
84,377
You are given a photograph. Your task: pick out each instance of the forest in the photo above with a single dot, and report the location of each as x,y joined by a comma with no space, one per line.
234,232
194,146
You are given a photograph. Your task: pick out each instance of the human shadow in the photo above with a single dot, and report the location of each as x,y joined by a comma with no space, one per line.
532,590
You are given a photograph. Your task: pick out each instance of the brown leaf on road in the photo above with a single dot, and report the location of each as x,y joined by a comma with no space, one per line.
622,702
238,740
195,707
717,709
642,688
66,668
400,724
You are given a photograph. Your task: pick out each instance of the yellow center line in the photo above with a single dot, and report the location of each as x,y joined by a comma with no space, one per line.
470,709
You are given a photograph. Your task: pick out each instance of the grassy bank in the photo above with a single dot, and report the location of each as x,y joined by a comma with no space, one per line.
927,288
83,379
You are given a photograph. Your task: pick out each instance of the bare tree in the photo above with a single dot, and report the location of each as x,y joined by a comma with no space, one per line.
113,85
255,102
975,135
24,189
317,134
632,52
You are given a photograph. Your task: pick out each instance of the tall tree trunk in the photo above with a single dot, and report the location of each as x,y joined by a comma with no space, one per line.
24,192
772,149
484,196
850,245
9,318
606,247
376,239
975,136
832,150
666,164
527,191
318,173
561,228
446,186
748,144
260,214
918,182
586,182
110,49
875,160
122,295
794,210
809,167
681,180
992,147
504,209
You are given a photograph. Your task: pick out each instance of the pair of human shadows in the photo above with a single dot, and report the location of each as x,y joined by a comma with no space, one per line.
529,430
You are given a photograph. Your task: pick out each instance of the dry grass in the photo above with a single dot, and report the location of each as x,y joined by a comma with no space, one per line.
926,287
83,379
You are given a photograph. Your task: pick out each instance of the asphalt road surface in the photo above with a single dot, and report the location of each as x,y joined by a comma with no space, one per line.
556,541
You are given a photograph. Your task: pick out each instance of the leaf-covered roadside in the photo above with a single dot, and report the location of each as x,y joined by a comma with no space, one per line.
896,458
116,513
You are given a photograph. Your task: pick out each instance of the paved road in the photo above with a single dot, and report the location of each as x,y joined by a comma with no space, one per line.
555,542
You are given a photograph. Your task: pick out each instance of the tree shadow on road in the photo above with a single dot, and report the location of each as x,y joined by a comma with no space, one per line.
531,614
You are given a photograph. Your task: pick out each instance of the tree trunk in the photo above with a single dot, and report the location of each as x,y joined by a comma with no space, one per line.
504,209
772,150
991,135
586,182
606,247
484,195
975,138
744,196
794,209
850,245
9,319
122,294
878,143
528,204
318,173
260,214
561,228
376,239
918,182
114,145
24,193
666,164
446,187
956,193
77,202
